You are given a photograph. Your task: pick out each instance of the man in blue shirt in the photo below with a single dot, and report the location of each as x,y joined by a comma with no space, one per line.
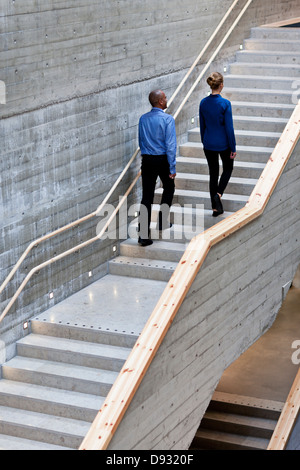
157,141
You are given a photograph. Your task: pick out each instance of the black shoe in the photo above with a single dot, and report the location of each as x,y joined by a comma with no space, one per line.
216,213
144,241
218,203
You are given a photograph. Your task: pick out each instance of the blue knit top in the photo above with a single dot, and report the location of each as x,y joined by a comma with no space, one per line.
216,124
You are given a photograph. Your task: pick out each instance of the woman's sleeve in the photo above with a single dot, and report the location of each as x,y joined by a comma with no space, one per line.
202,123
229,127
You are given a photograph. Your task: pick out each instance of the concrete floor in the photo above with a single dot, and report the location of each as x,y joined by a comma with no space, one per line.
114,303
266,369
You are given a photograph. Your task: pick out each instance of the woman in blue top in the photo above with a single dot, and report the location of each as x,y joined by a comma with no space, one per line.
217,135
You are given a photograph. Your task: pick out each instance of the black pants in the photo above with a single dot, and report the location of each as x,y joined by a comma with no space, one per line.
216,186
154,166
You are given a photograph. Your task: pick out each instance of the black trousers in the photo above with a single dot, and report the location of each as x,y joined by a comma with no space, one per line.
216,185
154,166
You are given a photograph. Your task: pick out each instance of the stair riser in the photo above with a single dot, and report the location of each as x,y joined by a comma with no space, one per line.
70,358
245,410
260,83
263,96
259,125
46,407
279,46
139,252
51,380
239,68
232,188
268,57
244,140
243,108
228,205
202,168
244,155
145,272
83,334
34,433
244,430
276,33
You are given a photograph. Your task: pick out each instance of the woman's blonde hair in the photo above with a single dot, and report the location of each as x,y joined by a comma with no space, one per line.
215,80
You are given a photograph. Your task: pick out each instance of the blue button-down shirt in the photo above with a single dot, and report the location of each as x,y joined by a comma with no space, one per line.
157,135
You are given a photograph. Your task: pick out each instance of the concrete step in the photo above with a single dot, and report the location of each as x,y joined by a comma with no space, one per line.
49,400
199,165
231,202
70,351
59,375
265,33
42,427
273,44
82,331
259,81
266,70
246,406
16,443
238,424
261,109
258,123
199,182
245,154
217,440
142,268
269,56
160,250
259,95
245,137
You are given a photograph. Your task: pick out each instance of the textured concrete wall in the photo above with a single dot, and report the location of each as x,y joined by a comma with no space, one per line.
76,75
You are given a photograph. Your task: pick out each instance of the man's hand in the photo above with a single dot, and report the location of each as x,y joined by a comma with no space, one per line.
172,176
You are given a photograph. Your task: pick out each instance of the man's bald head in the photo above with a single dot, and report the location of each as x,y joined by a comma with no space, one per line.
158,99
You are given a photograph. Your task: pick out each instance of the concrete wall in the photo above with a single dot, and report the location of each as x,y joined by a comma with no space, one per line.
76,75
233,300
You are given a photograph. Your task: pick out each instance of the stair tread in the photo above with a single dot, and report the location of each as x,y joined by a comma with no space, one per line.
32,419
206,195
61,369
196,130
17,443
259,104
237,163
76,346
239,419
270,91
50,394
240,148
201,177
233,439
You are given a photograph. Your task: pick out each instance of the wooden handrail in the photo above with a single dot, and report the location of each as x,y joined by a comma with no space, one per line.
68,252
141,356
288,416
95,213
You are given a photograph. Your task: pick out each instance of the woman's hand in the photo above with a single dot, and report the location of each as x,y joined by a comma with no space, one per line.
233,155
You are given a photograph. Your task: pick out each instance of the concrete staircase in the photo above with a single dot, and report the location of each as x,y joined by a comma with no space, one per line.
233,422
52,389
